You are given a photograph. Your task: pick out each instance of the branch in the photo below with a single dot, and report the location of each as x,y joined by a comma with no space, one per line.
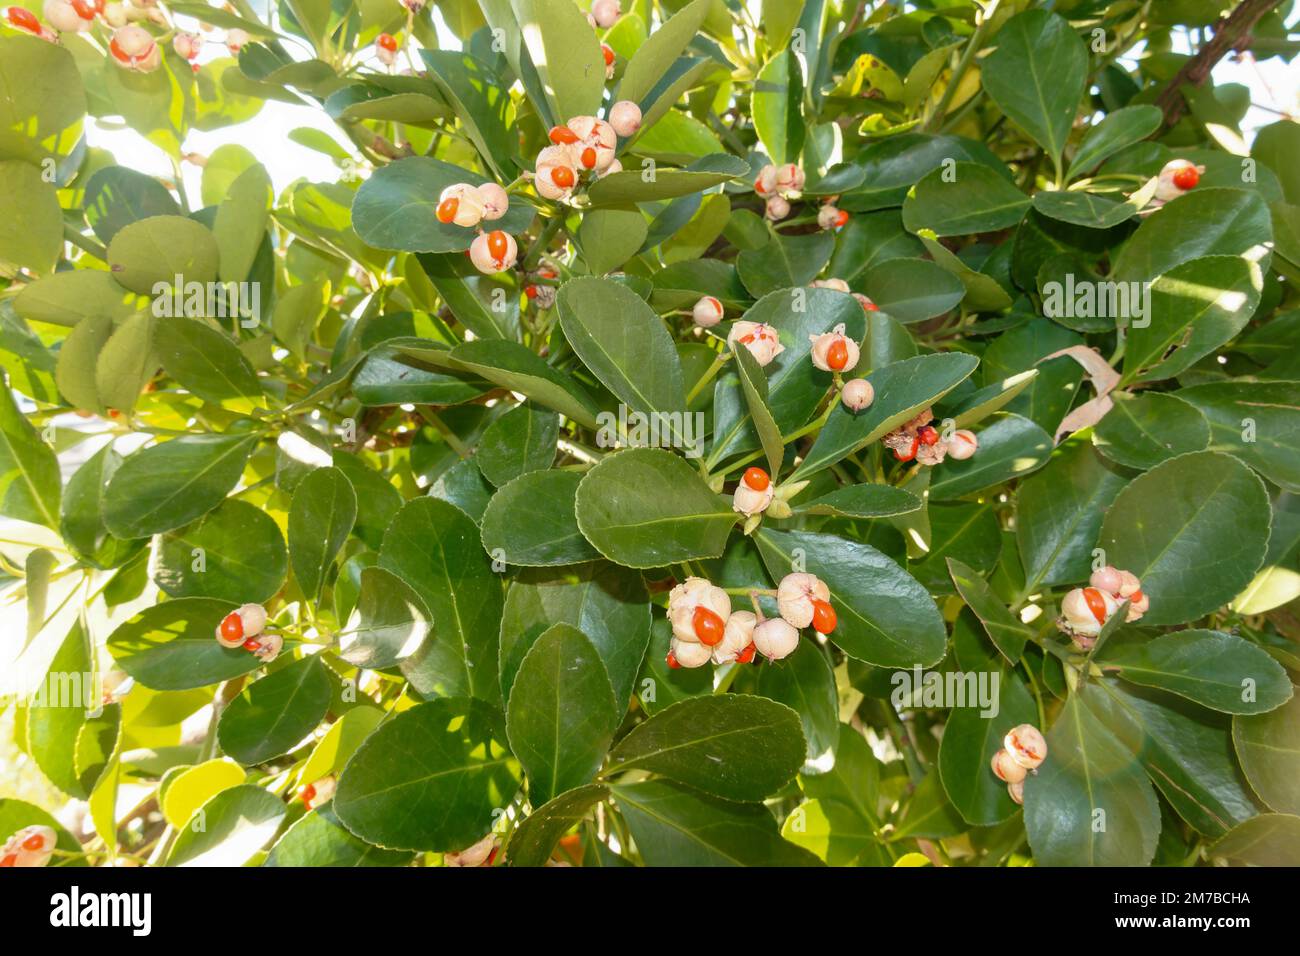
1230,33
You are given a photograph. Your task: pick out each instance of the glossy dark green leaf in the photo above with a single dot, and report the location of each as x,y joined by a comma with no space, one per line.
171,646
1120,129
631,186
734,746
1011,447
1004,629
676,826
205,361
1203,222
912,290
902,390
607,603
754,385
1270,839
1090,803
434,547
532,522
784,262
520,441
318,839
1258,422
321,516
29,470
609,237
1194,530
885,616
430,778
274,714
535,839
645,508
1268,746
862,501
1145,428
388,624
1084,209
778,94
168,485
116,196
562,714
235,553
805,682
972,198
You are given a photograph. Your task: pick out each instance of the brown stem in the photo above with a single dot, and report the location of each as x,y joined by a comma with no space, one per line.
1230,33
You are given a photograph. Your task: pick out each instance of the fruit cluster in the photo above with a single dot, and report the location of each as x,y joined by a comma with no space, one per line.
706,628
1023,751
1085,611
244,628
30,846
918,440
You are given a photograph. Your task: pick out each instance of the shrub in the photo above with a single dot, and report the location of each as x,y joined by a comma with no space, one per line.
679,436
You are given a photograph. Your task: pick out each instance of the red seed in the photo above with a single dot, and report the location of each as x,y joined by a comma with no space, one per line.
10,860
251,644
561,135
118,53
758,186
1135,597
747,655
709,626
562,176
824,617
24,19
608,52
841,218
756,478
928,435
672,661
530,291
498,244
837,356
589,157
447,209
1096,604
34,842
911,451
1187,177
387,42
232,626
84,10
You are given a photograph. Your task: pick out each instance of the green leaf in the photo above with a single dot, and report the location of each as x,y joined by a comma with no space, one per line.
1084,209
983,292
1004,629
1194,308
479,99
430,778
795,386
532,522
775,102
805,682
171,646
1011,447
675,826
168,485
473,298
972,198
45,101
126,362
241,222
388,625
1145,428
885,616
1214,669
646,508
62,712
863,501
82,514
31,232
1090,803
624,343
1037,76
396,207
562,714
1119,130
535,839
870,239
229,829
835,833
318,839
566,54
631,186
1258,422
1186,751
912,290
1268,746
1194,529
1059,512
1270,839
158,249
607,603
184,792
321,516
434,547
652,59
733,746
205,361
754,384
235,553
272,715
29,470
384,380
1203,222
902,390
784,262
609,237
